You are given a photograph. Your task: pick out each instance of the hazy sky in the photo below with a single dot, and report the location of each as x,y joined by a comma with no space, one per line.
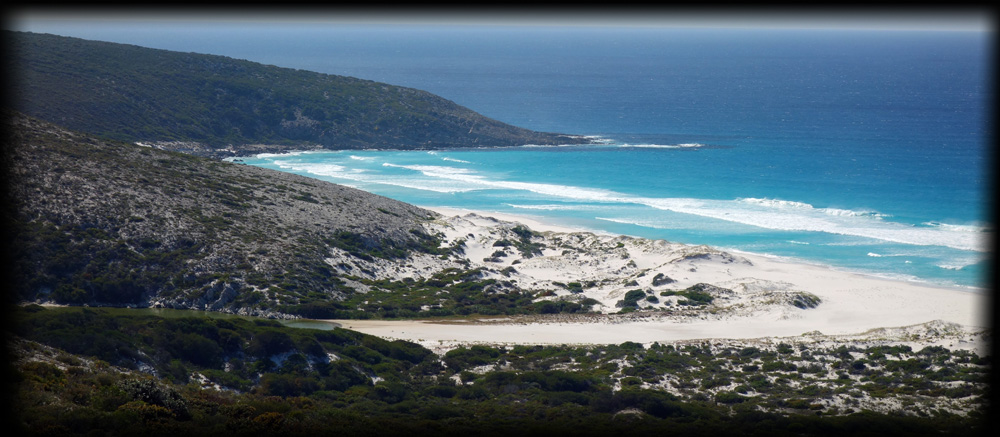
52,20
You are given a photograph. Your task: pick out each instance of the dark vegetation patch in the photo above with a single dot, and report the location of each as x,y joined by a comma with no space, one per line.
95,223
449,292
695,295
131,93
805,300
294,381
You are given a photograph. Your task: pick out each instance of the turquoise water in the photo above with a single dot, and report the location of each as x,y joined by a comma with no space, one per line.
863,150
681,193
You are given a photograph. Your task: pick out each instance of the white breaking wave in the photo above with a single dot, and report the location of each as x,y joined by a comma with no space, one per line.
279,155
332,170
959,228
801,217
455,160
477,181
789,204
362,158
551,207
783,215
627,222
436,171
635,222
805,218
363,176
960,263
775,203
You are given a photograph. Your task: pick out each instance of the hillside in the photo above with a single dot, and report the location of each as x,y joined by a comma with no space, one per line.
105,222
200,103
84,371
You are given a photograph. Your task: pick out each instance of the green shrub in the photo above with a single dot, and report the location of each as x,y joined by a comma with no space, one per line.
631,299
728,397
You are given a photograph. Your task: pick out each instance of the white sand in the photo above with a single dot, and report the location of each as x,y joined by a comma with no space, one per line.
851,303
534,223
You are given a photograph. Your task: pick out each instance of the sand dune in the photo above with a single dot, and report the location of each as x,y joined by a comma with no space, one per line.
756,299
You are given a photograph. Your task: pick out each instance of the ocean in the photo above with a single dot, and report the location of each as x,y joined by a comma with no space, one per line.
866,151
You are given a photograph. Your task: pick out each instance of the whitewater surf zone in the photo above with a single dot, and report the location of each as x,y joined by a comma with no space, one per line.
767,225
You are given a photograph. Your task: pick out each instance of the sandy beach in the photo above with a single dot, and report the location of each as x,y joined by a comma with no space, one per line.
852,305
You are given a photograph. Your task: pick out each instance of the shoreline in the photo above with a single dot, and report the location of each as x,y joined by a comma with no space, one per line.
534,223
857,306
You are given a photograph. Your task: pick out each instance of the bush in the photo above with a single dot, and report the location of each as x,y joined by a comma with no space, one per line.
286,385
728,397
798,404
152,393
196,349
661,279
804,300
631,299
462,357
268,343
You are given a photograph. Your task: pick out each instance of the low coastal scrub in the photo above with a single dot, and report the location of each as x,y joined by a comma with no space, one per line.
695,295
104,223
84,371
805,300
631,298
449,292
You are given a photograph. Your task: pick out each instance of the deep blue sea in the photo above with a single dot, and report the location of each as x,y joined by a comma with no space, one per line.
867,151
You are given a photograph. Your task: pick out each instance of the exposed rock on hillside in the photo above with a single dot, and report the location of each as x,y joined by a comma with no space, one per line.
115,223
109,223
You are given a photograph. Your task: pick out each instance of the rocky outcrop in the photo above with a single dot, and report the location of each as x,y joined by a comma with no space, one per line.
104,222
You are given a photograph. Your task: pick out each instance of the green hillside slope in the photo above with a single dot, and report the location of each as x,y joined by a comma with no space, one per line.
132,93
